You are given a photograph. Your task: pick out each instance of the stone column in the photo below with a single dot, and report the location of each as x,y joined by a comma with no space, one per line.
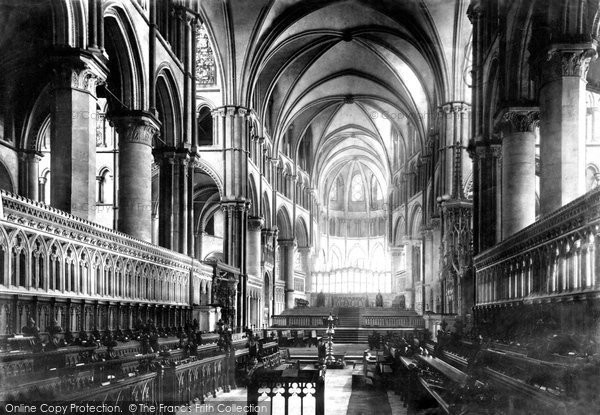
287,269
562,124
454,127
33,173
232,127
166,163
191,236
306,262
136,131
595,124
269,236
410,280
397,252
428,257
42,192
182,181
235,231
253,246
486,166
518,170
73,135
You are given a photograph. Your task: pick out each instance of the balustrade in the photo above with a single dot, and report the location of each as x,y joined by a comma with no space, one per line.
284,388
84,275
392,321
555,257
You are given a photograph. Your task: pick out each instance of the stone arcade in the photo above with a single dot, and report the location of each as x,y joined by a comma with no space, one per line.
181,177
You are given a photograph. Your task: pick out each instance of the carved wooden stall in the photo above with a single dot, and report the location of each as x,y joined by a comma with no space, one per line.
92,374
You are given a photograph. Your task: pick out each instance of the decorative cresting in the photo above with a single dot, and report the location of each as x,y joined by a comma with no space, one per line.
62,267
555,259
570,60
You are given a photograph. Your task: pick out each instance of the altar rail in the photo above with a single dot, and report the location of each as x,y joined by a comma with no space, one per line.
554,258
54,265
380,320
299,321
393,321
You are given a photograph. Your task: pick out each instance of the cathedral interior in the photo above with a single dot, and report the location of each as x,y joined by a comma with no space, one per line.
195,192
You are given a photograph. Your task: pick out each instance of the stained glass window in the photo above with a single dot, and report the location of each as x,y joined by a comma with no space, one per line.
357,189
206,72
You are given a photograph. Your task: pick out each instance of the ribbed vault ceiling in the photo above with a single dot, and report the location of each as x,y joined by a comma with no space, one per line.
341,77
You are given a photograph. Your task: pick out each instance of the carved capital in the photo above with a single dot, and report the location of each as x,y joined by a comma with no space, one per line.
235,205
78,72
231,111
269,232
287,242
454,107
519,120
570,60
135,127
255,223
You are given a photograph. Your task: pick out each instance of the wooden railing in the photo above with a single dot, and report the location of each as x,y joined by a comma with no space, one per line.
557,256
278,390
171,376
197,378
392,321
299,321
380,319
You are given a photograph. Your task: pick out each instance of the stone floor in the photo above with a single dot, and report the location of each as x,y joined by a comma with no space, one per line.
340,399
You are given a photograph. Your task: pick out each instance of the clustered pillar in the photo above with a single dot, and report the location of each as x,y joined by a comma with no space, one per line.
287,269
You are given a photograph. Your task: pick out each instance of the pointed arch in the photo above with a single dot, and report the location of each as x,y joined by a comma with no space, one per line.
266,209
302,233
6,179
253,196
126,76
168,103
415,222
284,224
